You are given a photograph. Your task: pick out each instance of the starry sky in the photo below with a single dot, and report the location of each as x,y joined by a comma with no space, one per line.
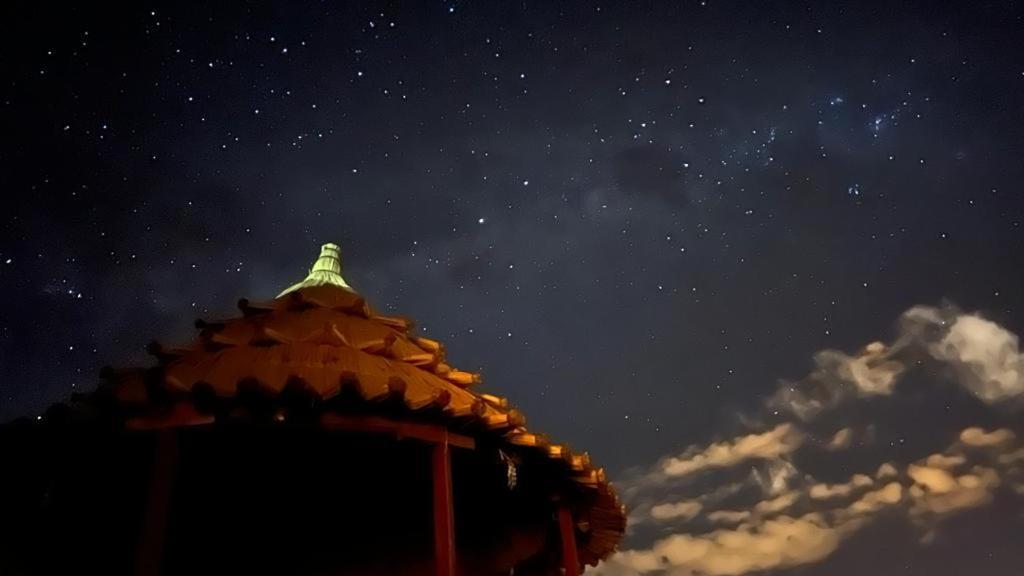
762,260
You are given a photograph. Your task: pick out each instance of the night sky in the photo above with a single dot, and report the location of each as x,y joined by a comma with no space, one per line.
761,260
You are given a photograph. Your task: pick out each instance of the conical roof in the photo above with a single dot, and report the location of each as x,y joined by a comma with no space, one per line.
319,340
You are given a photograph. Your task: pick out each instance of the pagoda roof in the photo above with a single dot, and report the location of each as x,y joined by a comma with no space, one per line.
319,341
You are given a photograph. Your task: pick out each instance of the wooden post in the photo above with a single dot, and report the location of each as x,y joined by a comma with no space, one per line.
570,561
151,539
444,529
441,442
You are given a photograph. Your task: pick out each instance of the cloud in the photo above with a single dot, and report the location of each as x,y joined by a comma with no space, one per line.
938,493
841,440
781,440
771,478
781,516
932,479
872,502
838,376
885,471
827,491
986,356
984,359
777,543
723,492
805,523
729,516
945,461
777,504
978,437
683,510
1011,458
938,489
775,477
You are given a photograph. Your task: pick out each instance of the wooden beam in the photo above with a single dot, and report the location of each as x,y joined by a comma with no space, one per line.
185,414
154,527
444,523
567,528
427,433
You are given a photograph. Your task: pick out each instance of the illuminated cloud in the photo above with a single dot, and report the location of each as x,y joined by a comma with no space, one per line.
933,479
944,461
872,502
775,477
781,440
978,437
938,493
986,356
729,517
683,510
807,523
827,491
842,439
782,517
777,543
983,357
886,471
837,377
777,504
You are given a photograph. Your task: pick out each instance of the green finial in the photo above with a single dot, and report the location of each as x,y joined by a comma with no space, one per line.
326,271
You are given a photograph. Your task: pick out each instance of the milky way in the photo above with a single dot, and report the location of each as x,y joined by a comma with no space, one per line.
642,222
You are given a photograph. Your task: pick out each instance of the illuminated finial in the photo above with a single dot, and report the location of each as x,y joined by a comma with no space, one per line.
325,272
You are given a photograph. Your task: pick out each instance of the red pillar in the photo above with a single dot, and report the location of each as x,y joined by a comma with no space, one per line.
151,540
570,560
444,524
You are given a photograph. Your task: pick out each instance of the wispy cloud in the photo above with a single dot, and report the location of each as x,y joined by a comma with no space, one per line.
980,355
701,520
781,440
809,522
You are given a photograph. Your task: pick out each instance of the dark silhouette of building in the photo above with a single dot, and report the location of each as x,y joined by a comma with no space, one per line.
310,435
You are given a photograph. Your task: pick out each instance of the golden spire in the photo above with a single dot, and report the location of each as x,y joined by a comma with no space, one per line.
326,271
